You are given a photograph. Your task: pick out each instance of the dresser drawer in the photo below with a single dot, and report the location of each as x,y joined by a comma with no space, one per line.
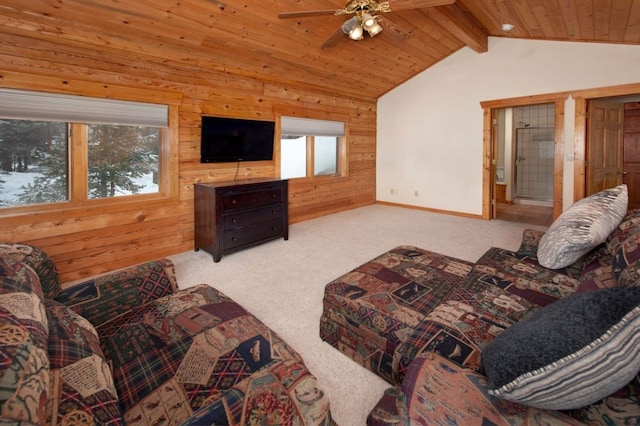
248,217
252,234
248,200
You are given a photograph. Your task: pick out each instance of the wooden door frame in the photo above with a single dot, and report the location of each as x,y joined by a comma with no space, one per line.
488,176
580,149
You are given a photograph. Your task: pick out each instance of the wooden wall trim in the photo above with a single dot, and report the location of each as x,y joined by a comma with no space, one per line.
558,158
487,166
428,209
525,100
579,148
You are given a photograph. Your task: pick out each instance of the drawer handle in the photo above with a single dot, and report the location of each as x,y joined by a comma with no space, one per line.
273,228
274,211
234,201
234,220
234,239
274,195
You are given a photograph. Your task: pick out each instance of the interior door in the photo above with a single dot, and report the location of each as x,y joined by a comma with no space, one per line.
631,154
604,145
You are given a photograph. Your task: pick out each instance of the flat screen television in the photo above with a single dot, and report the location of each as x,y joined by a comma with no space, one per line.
225,139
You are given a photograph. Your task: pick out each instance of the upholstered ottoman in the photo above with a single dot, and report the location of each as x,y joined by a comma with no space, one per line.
369,311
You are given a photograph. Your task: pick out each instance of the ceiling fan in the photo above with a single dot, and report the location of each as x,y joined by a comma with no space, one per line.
364,17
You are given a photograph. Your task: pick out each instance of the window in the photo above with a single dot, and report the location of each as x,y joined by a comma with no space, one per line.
34,167
60,148
123,160
311,147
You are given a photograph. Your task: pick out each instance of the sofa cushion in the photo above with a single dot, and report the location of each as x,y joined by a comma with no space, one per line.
522,275
629,226
626,262
623,246
571,353
583,226
82,388
197,351
598,274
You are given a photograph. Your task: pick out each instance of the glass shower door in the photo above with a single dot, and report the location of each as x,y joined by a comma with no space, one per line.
534,163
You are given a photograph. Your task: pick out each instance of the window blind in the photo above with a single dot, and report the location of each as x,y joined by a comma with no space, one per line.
29,105
295,126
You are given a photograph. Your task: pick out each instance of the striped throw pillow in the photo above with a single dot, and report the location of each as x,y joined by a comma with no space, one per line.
569,354
583,226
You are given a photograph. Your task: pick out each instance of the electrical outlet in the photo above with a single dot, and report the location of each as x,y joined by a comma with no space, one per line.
392,191
416,193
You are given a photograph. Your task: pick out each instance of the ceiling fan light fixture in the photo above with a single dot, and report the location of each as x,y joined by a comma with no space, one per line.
353,28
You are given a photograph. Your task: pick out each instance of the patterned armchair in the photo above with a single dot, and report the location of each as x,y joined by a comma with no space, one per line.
129,347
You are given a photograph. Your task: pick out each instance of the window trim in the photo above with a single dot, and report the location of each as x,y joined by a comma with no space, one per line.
168,156
342,167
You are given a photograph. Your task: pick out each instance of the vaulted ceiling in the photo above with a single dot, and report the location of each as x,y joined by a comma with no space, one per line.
247,37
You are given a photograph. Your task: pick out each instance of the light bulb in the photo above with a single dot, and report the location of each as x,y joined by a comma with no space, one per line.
368,21
356,33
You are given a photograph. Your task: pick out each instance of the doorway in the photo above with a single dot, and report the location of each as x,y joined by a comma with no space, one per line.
524,138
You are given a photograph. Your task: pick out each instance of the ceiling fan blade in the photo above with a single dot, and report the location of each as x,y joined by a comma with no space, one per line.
399,5
333,38
396,31
286,15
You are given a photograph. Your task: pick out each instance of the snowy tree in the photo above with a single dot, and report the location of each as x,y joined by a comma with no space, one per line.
117,156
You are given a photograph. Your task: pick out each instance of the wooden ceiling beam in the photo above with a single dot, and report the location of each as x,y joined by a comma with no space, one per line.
454,20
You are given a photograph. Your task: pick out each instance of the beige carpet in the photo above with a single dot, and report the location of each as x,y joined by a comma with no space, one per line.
282,282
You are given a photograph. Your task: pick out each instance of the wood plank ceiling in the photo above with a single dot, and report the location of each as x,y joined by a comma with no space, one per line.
247,38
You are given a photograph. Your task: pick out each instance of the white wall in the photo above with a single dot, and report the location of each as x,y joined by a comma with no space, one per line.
429,136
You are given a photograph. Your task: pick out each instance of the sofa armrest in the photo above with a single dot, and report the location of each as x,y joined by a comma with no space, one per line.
437,391
107,296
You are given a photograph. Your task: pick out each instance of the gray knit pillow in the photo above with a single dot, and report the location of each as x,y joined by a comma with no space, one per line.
583,226
569,354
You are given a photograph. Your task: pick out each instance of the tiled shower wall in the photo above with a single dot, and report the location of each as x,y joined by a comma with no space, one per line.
534,138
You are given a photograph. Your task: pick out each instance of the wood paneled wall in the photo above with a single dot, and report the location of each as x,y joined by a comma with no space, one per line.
93,239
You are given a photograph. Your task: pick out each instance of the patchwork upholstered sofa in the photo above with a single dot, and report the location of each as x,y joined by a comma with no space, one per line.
130,348
504,340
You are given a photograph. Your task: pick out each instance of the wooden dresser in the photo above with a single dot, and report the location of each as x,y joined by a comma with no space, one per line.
231,216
